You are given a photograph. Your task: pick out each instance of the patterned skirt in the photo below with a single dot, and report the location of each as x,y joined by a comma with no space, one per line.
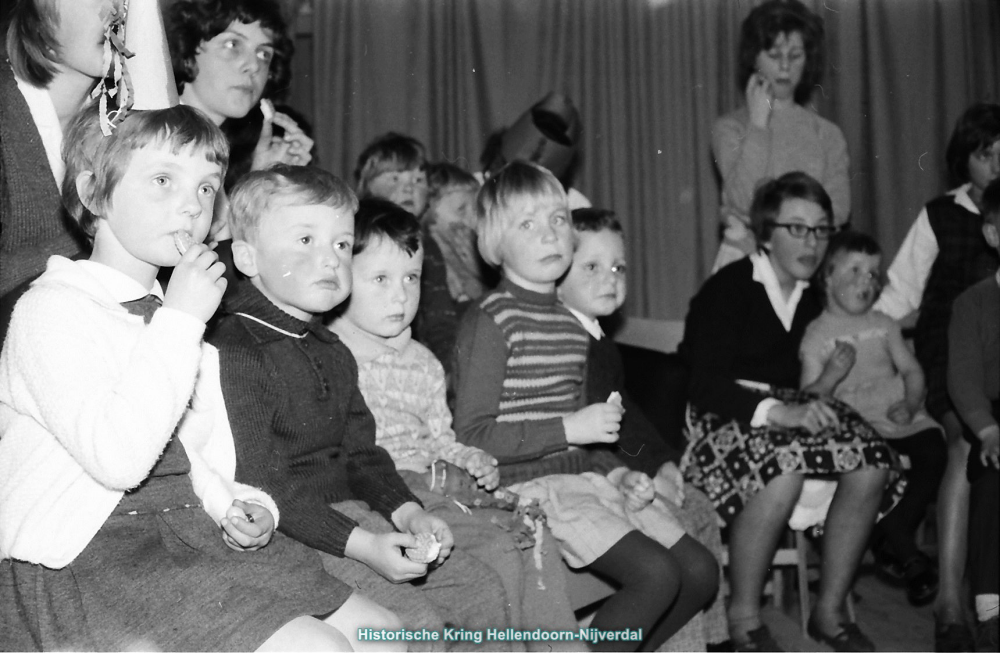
730,461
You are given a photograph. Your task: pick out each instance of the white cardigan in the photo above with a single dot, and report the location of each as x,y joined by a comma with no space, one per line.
89,398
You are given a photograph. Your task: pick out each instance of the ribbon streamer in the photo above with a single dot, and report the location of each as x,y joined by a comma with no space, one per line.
115,88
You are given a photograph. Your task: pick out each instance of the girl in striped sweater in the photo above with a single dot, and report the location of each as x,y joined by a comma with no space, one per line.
519,374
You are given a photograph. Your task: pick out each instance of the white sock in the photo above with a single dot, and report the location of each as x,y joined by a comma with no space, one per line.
986,606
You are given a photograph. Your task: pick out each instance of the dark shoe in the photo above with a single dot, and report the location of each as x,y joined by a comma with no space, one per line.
921,580
954,637
758,640
986,635
888,568
850,638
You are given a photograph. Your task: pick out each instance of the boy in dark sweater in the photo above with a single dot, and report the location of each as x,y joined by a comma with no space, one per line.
301,427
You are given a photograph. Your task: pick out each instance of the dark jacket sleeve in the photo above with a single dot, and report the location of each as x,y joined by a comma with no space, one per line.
714,331
436,323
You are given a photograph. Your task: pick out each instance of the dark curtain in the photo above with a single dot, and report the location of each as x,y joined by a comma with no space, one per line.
649,78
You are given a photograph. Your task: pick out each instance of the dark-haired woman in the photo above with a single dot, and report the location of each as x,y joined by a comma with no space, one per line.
55,56
754,436
780,64
227,55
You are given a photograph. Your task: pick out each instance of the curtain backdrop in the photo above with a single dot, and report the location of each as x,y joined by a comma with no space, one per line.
649,78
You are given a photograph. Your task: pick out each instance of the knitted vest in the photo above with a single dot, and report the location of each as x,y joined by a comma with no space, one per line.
964,257
547,354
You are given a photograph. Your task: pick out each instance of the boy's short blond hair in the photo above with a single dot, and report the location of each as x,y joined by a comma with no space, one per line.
497,202
261,191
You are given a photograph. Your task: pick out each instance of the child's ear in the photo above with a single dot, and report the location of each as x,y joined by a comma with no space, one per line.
245,258
991,234
85,190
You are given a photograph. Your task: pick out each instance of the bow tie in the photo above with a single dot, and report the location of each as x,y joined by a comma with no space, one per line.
145,307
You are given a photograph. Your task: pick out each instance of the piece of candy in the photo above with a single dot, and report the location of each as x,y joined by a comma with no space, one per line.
267,108
615,398
183,241
426,549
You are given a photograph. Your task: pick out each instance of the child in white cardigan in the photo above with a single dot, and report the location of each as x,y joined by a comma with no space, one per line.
121,526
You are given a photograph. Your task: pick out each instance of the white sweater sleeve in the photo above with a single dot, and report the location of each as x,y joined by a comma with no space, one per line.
909,270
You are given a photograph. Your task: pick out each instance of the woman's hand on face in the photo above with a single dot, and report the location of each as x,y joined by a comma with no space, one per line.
760,98
293,148
813,417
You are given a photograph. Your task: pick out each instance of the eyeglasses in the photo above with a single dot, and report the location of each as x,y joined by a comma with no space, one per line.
801,231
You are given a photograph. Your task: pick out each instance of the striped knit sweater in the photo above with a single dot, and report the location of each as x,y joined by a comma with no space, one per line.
521,358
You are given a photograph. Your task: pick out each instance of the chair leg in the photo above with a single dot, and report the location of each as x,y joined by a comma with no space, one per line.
802,565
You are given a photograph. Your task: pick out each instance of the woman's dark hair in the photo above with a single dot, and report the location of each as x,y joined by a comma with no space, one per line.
189,23
772,194
978,128
379,218
845,242
31,41
771,19
596,220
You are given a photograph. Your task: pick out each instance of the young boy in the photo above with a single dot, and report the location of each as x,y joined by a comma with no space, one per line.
594,288
302,428
974,385
393,167
120,524
404,386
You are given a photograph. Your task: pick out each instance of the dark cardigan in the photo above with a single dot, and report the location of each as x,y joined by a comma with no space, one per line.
33,225
732,332
302,430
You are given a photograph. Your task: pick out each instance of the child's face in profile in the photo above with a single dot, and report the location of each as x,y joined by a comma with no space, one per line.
161,192
386,288
852,283
984,166
595,284
456,205
407,188
301,258
537,245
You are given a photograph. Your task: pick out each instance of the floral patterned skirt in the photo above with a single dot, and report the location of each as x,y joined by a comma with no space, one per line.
730,461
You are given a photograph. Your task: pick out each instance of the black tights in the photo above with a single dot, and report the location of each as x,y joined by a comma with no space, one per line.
661,589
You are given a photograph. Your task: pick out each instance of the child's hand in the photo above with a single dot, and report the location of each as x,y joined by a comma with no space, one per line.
197,284
900,413
669,483
484,467
990,453
813,417
595,423
839,364
384,554
247,526
421,521
638,490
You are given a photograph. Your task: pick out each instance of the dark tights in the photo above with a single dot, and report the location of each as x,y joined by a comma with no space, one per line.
653,581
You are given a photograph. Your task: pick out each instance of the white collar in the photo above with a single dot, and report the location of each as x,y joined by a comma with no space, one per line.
962,198
763,273
365,346
43,114
119,285
592,326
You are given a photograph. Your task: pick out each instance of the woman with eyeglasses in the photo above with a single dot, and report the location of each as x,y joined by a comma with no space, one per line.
754,436
780,65
943,254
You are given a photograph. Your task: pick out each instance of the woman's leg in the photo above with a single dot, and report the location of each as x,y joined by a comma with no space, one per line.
361,612
952,525
649,578
306,634
753,538
699,583
845,536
